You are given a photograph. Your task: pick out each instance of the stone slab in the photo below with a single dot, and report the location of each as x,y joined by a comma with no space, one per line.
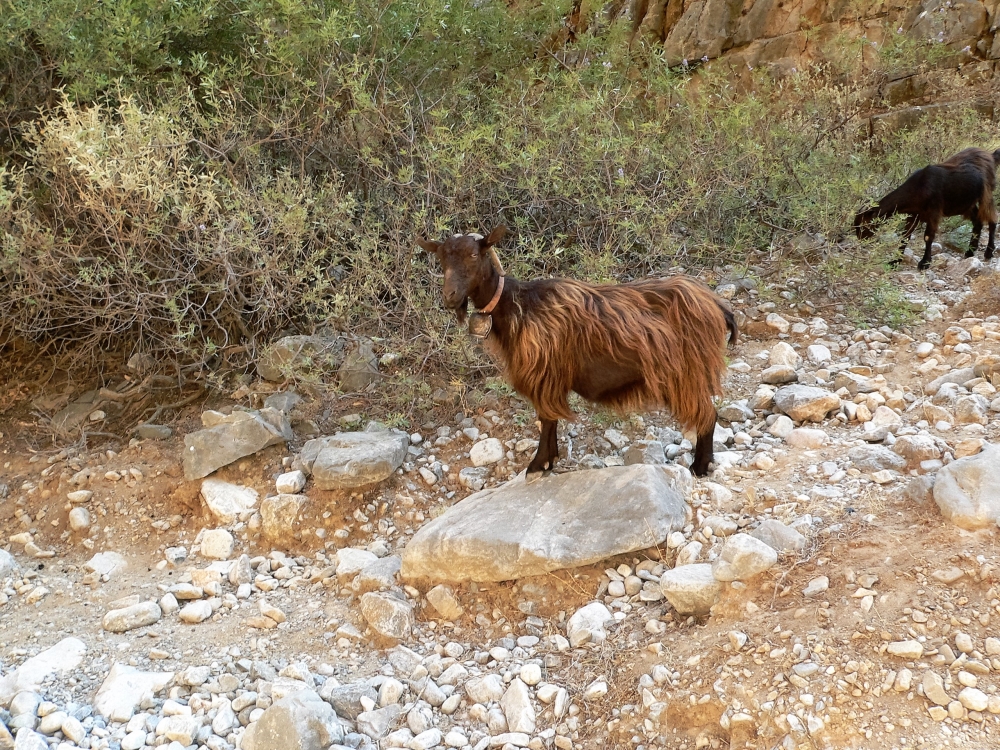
228,438
353,459
63,657
559,521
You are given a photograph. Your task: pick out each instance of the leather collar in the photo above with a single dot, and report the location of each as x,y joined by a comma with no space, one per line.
496,298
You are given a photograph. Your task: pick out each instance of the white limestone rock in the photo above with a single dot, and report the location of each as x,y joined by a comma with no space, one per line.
587,624
691,589
743,557
560,521
227,501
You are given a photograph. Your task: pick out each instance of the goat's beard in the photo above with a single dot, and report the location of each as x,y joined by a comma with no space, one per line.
461,310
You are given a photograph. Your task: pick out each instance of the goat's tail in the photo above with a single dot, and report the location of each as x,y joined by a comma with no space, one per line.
734,331
996,158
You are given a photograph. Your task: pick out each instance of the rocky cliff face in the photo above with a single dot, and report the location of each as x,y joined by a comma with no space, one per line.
784,33
929,55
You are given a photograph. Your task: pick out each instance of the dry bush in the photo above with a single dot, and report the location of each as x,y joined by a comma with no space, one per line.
119,235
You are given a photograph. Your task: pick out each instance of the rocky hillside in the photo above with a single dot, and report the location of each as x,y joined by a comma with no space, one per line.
835,583
788,32
954,54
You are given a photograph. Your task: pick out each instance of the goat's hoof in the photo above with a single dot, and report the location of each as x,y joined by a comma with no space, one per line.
530,477
923,266
970,254
540,467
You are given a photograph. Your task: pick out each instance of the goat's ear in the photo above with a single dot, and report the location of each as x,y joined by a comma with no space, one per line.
496,236
429,246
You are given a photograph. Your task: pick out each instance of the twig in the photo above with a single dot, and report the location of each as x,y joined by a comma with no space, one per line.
176,404
129,395
783,577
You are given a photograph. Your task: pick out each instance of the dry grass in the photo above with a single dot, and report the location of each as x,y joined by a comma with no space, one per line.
612,661
119,236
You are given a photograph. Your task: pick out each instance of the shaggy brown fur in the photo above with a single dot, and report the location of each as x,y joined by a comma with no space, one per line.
961,186
660,327
647,344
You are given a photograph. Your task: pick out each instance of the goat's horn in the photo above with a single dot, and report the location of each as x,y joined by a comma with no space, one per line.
495,260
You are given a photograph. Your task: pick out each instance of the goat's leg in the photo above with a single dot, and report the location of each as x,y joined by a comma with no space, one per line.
554,442
908,229
989,242
704,449
548,449
929,234
977,233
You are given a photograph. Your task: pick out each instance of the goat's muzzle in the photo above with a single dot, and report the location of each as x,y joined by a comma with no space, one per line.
863,224
454,298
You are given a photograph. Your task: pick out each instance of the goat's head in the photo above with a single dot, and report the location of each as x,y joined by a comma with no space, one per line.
469,263
863,223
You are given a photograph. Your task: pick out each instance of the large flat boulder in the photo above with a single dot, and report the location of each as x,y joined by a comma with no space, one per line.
230,437
560,521
967,491
352,459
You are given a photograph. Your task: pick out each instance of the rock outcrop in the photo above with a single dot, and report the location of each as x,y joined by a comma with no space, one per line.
751,33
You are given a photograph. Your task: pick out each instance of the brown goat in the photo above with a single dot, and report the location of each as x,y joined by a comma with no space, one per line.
961,186
651,343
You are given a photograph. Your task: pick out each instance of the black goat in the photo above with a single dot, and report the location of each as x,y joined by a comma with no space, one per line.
961,186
